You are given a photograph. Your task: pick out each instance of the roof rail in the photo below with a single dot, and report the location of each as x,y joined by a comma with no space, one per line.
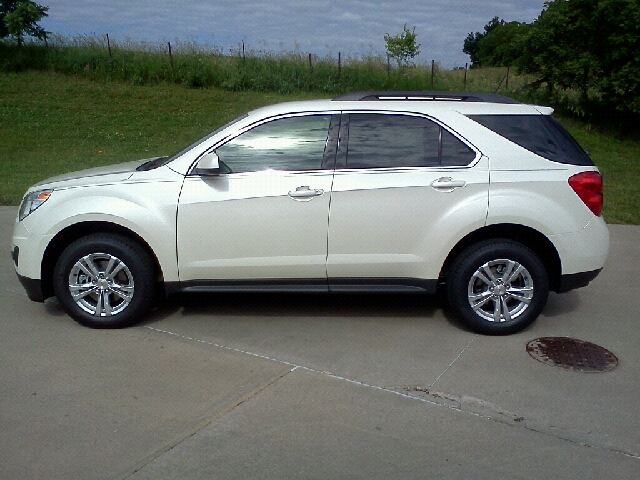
425,96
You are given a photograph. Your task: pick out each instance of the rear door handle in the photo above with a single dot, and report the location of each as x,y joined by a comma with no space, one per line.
447,184
305,193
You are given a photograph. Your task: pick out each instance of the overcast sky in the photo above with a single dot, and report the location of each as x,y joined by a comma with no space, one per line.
322,27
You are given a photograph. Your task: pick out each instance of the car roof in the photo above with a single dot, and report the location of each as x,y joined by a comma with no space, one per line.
425,96
466,103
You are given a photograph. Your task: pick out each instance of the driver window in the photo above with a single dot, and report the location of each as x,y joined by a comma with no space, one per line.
294,143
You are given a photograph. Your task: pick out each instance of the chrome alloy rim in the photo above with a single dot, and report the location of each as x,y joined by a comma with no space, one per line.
101,284
500,290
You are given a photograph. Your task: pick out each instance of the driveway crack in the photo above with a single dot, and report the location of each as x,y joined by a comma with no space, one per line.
462,403
490,411
454,360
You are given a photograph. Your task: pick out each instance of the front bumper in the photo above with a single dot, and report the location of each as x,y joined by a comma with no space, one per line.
33,288
15,255
26,252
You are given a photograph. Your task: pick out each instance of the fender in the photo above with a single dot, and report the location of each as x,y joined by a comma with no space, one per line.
151,216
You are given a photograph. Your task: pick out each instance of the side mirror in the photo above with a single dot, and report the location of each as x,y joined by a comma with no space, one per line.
209,165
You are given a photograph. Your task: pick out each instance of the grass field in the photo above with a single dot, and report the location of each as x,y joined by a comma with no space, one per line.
198,66
52,123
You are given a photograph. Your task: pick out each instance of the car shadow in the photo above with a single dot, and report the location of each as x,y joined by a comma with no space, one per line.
302,305
561,304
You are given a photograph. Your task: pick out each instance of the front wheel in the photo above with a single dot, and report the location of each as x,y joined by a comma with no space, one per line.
497,287
104,281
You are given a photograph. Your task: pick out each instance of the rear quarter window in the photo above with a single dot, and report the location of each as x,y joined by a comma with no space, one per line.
540,134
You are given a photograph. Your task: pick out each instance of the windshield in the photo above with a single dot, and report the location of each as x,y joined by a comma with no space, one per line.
165,160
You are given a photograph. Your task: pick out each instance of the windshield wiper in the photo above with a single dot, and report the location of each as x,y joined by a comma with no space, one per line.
151,164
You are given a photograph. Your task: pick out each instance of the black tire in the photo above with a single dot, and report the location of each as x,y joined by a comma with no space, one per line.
506,282
113,278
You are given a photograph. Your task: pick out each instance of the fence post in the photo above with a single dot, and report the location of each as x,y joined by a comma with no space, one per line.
339,65
464,88
310,64
109,46
243,56
170,55
506,85
433,63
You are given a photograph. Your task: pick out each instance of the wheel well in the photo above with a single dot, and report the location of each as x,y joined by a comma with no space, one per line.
66,237
527,236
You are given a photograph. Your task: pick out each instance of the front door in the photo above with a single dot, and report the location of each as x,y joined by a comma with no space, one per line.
265,216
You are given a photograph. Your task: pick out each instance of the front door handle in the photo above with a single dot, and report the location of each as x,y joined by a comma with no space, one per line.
447,184
305,193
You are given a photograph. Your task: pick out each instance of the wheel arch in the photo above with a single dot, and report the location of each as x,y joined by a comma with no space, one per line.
529,237
70,234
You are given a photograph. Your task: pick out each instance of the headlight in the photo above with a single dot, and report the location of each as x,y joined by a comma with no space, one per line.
31,201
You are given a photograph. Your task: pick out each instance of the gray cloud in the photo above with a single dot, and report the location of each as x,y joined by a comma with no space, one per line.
353,27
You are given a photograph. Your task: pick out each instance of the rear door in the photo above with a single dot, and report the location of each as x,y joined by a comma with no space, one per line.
404,189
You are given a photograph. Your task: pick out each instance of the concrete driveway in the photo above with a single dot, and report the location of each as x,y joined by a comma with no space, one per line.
298,386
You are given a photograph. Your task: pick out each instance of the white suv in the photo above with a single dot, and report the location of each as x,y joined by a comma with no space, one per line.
487,198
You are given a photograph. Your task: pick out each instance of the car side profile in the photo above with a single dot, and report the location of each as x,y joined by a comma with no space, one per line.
488,199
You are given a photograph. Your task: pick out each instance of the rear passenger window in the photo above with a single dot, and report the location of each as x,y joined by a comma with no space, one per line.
392,141
454,152
378,141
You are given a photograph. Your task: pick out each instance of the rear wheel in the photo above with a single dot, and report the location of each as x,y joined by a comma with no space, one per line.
497,287
105,281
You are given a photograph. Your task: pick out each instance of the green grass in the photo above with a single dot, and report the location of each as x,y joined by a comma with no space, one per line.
618,159
52,123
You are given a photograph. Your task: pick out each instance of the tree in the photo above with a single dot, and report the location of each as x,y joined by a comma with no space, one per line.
502,46
20,17
588,46
591,47
472,43
402,48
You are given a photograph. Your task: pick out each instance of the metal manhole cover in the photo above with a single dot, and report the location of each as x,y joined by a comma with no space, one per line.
572,354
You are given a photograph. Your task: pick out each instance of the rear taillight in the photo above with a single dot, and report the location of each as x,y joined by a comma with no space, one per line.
588,186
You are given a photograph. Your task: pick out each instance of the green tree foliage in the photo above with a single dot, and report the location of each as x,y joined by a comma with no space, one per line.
502,47
402,48
498,46
590,46
20,17
472,43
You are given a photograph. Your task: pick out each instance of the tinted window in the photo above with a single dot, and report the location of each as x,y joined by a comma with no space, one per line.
454,152
380,141
295,143
540,134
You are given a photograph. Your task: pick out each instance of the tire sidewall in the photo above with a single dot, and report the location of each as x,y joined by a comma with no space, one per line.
135,258
466,265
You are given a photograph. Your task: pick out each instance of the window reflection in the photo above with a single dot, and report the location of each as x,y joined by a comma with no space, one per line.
295,143
391,141
378,141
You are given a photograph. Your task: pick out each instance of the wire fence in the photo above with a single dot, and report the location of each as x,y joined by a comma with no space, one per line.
243,68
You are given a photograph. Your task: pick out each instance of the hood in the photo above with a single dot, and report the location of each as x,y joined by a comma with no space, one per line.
93,176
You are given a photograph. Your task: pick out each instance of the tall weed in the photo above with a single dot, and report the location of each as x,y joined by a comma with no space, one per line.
200,66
